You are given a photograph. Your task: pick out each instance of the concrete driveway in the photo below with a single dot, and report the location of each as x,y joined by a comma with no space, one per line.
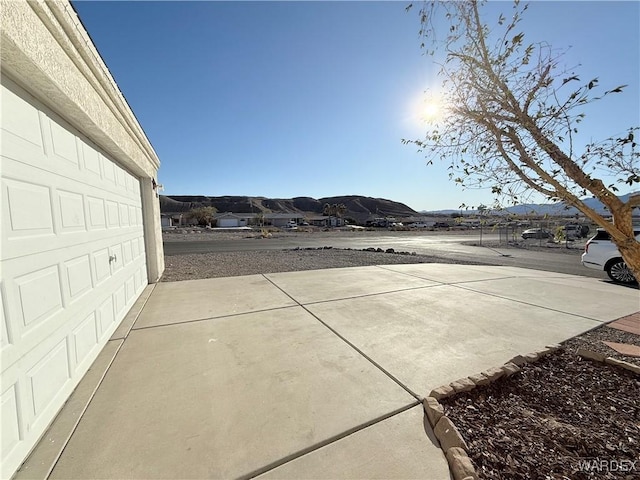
315,374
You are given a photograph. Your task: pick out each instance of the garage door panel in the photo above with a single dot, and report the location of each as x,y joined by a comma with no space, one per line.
124,214
91,160
106,317
129,184
101,265
63,146
113,214
126,288
71,207
109,171
126,248
120,177
119,300
10,420
78,277
97,219
48,143
27,208
47,378
52,290
84,340
39,296
116,258
21,127
35,214
4,332
133,216
130,288
81,181
83,176
29,397
127,253
141,278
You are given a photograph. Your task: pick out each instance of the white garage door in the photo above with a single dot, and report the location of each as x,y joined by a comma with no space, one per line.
72,263
228,222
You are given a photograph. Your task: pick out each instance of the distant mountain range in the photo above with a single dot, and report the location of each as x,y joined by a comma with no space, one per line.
358,207
554,209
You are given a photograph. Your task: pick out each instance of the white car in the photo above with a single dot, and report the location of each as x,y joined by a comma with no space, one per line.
536,233
600,253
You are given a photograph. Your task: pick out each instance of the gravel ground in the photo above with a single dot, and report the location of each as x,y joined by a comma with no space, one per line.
208,235
573,248
230,264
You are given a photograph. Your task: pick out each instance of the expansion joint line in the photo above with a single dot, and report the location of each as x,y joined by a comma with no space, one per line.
465,287
354,347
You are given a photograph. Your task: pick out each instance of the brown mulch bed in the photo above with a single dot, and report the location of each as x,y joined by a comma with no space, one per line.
562,417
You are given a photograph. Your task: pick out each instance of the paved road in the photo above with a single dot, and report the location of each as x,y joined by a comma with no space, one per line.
443,246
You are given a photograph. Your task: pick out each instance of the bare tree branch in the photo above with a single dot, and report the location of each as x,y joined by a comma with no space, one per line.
512,125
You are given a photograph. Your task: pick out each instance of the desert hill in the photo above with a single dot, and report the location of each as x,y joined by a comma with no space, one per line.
358,207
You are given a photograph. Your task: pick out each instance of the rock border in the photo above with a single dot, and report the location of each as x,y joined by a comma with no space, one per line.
368,249
451,441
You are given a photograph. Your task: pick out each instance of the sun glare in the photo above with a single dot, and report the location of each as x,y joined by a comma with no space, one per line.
430,110
427,109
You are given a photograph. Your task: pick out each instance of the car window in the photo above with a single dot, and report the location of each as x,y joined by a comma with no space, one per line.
603,235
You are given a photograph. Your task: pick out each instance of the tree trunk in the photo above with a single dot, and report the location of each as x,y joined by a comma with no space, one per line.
631,254
622,234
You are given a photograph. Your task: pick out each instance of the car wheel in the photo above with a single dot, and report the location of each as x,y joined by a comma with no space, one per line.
619,272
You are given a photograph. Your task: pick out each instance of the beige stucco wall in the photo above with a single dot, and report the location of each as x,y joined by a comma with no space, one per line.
45,49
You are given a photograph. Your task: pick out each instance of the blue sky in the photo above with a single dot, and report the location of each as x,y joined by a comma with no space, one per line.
285,99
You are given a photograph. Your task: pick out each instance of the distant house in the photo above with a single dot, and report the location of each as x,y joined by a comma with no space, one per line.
325,221
169,220
283,219
232,220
